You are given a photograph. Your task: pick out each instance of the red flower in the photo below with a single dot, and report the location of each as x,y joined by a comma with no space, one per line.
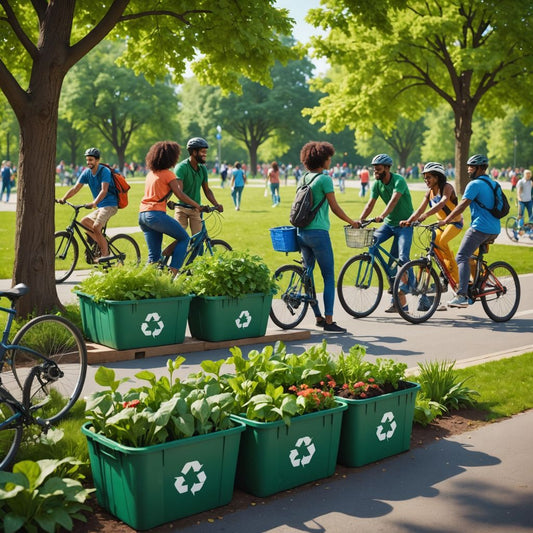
133,403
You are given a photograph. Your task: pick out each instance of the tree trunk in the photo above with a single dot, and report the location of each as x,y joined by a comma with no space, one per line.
34,240
463,134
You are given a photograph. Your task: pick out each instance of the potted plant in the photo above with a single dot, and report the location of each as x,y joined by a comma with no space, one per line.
292,427
134,307
233,294
381,404
162,451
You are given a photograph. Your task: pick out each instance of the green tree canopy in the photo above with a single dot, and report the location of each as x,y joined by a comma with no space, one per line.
43,39
401,57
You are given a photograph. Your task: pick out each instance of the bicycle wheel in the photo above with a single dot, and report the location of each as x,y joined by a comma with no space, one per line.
126,247
289,305
10,435
416,291
218,245
502,281
60,377
360,286
66,256
511,228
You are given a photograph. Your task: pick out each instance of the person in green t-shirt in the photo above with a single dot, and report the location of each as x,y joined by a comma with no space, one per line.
314,240
392,189
192,178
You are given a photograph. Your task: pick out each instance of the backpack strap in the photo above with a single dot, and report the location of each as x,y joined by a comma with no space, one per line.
487,181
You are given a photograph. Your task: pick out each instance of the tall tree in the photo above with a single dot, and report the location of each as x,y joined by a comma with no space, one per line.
43,39
399,57
263,112
116,103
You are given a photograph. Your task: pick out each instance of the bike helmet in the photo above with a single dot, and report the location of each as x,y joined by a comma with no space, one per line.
93,152
196,143
434,168
382,159
478,160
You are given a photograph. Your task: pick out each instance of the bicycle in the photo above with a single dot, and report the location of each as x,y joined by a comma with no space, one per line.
122,247
496,285
360,283
296,293
48,363
515,231
199,242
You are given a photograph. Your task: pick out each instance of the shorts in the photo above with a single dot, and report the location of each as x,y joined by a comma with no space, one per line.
102,215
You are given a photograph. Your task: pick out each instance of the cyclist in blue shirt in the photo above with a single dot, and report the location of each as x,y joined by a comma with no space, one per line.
484,226
105,199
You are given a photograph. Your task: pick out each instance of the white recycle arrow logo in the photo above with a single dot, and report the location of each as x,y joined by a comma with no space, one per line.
381,434
294,454
244,319
152,325
180,484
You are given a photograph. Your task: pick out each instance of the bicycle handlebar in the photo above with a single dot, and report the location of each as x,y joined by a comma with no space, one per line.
77,207
203,208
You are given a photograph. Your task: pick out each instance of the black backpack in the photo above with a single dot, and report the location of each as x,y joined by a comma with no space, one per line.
501,206
302,212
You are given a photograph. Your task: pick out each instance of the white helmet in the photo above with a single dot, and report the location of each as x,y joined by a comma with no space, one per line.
434,168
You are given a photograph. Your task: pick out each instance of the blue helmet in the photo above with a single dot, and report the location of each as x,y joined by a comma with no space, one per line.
478,160
382,159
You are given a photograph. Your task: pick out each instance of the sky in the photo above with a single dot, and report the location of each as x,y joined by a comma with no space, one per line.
302,30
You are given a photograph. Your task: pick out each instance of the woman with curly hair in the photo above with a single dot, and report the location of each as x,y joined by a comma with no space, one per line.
314,239
160,183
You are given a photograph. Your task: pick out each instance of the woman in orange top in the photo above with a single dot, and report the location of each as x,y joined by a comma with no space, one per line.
160,183
442,200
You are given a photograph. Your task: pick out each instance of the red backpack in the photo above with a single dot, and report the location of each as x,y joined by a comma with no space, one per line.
121,185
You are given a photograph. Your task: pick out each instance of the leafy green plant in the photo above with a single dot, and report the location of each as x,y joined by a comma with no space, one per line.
133,283
32,498
231,274
440,383
162,411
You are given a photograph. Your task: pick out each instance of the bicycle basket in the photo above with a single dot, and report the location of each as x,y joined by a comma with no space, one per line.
358,237
284,239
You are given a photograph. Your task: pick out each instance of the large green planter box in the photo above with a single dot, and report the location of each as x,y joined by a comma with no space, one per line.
220,318
378,427
275,457
134,323
146,487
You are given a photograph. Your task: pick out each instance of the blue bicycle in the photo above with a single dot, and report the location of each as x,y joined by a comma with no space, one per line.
41,373
360,283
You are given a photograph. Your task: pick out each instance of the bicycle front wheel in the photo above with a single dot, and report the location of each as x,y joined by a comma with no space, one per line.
10,435
360,286
289,305
126,248
511,228
500,292
61,366
218,245
66,255
416,292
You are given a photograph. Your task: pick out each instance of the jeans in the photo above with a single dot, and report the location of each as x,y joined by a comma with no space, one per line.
6,186
236,194
315,245
524,206
472,240
154,225
401,246
274,189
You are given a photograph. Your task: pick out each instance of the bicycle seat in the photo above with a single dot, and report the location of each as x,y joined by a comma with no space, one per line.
15,292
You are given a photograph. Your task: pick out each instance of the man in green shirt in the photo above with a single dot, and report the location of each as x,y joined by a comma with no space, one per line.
393,190
192,177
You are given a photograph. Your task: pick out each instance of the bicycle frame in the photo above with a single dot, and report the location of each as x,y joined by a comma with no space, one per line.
378,252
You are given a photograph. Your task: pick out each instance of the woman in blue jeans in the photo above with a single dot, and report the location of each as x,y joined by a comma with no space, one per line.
238,180
160,183
314,240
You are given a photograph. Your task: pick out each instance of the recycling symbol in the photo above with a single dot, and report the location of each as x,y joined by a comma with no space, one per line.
152,325
180,483
303,445
388,419
244,319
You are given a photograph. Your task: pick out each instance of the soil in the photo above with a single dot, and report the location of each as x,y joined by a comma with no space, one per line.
458,422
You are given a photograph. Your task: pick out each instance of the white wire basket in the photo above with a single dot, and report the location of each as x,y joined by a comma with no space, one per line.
358,237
